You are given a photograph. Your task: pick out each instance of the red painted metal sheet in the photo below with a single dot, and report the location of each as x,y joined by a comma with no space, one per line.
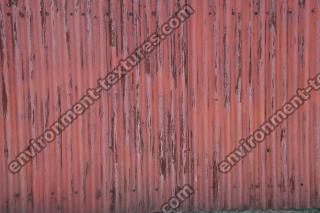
169,122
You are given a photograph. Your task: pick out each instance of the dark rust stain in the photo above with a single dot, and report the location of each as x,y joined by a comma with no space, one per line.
4,98
12,3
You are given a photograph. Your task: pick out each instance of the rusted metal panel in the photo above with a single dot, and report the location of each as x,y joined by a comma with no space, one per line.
169,122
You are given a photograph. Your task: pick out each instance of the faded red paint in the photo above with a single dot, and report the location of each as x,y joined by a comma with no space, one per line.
170,121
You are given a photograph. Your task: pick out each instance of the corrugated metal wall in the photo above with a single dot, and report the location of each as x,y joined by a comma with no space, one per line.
172,119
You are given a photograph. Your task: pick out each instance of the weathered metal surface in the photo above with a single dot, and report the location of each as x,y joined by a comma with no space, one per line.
171,120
